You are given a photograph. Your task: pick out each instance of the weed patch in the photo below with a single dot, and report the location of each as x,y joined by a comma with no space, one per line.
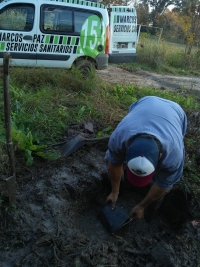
164,57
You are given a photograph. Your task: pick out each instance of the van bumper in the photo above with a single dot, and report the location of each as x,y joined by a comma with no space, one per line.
102,61
122,58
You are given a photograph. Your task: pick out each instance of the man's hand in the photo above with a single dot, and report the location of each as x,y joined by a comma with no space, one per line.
113,199
154,193
115,174
137,213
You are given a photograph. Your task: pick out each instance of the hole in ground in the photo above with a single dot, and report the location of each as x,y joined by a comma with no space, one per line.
173,212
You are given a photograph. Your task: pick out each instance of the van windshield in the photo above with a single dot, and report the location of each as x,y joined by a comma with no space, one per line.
17,17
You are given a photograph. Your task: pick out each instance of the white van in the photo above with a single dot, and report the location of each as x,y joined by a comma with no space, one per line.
123,34
60,33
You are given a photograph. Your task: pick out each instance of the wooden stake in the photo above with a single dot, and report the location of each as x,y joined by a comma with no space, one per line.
11,181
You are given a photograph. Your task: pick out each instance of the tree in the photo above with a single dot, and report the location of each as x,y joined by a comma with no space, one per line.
185,5
190,20
184,23
143,13
169,21
108,3
158,6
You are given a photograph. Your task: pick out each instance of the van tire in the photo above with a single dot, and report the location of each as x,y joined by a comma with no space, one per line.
84,66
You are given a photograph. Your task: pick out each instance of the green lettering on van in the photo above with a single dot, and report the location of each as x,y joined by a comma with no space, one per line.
73,41
56,38
83,2
64,40
123,9
78,51
93,35
47,38
2,46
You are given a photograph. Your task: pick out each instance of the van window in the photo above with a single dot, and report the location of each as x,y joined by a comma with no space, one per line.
63,20
17,17
79,18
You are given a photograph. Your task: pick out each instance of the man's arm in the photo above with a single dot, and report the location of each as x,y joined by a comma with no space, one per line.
115,174
154,193
165,178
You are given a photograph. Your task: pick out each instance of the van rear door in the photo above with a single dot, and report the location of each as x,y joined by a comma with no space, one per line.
123,34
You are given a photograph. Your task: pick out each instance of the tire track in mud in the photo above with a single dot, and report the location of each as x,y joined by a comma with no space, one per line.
117,75
172,82
162,81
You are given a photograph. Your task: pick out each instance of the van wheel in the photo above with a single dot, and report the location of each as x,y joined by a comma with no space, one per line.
85,67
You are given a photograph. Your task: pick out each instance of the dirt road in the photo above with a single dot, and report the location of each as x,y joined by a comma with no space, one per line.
116,75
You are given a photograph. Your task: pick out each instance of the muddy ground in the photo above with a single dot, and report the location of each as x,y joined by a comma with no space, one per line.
55,222
116,75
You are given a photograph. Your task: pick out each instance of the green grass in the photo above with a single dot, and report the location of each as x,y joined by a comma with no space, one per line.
162,56
44,102
48,101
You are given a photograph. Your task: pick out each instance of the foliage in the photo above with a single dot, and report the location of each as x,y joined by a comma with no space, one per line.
142,9
158,8
105,131
182,24
24,142
55,78
130,94
153,54
191,178
40,109
160,5
109,3
41,112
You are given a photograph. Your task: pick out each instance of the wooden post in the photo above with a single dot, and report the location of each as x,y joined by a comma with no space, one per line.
11,181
